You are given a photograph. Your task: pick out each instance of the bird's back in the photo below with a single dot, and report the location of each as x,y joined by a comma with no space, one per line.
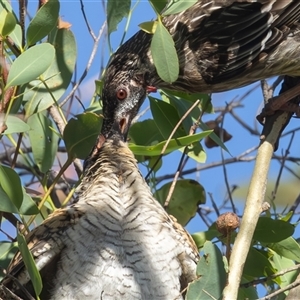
221,45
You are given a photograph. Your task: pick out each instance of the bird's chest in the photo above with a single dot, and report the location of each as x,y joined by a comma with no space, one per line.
120,251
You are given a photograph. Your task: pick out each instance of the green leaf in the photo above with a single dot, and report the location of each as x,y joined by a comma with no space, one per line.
5,5
166,118
28,206
158,5
43,140
7,252
116,11
164,54
272,231
16,36
6,204
182,106
212,275
175,7
174,144
58,76
11,185
43,22
187,196
281,263
87,128
15,124
7,23
30,64
247,292
138,136
30,264
288,248
257,264
201,237
149,27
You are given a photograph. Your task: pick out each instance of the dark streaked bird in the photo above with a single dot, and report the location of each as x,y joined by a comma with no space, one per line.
116,241
221,45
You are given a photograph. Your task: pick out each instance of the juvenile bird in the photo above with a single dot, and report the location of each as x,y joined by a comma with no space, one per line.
221,45
116,241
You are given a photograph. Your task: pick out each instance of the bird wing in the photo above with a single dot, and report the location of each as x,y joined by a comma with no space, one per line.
190,257
45,243
228,37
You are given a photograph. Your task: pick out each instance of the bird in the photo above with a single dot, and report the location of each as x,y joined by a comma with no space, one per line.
116,241
221,45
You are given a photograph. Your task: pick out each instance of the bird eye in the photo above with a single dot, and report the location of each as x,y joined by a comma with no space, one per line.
121,94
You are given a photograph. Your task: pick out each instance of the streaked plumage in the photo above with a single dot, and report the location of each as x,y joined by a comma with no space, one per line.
116,241
221,45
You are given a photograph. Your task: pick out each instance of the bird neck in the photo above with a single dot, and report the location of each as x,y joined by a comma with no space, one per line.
110,162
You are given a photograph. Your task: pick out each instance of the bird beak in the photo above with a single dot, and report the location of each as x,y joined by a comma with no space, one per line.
120,126
123,125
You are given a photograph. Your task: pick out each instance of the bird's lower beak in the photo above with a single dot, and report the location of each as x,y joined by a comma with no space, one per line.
121,126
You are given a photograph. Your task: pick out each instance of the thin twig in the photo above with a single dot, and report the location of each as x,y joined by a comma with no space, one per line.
286,288
284,158
225,171
87,22
88,66
265,279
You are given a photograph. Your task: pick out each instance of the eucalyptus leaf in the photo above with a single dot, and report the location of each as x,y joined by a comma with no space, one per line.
30,64
28,206
30,264
177,6
116,11
272,231
166,118
11,184
15,125
6,204
288,248
258,264
164,54
281,263
7,251
38,97
80,134
187,195
211,275
158,5
174,144
7,23
43,22
43,140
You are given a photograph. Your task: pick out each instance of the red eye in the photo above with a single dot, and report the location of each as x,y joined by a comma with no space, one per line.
121,94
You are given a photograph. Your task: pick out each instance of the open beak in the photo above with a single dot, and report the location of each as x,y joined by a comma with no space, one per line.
121,126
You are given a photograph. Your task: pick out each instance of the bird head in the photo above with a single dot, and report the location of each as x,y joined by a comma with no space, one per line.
122,97
125,88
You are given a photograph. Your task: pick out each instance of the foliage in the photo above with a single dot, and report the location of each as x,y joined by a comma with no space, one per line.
38,85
